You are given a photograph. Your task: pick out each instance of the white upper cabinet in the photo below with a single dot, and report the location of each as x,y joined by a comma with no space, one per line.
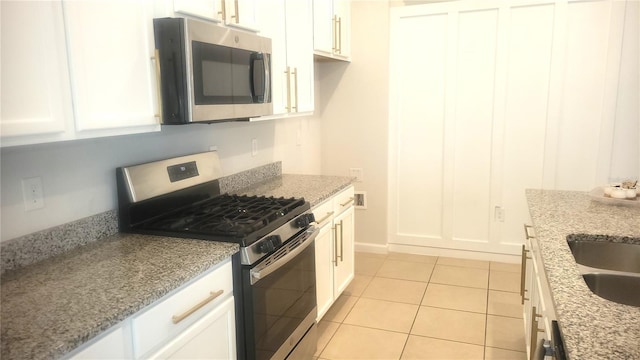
36,99
299,18
112,67
206,9
236,13
288,24
242,14
332,28
103,85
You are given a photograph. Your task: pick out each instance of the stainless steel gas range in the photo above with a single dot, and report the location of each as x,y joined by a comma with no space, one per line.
274,272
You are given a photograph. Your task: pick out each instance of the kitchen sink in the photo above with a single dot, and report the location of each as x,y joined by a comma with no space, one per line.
623,289
606,255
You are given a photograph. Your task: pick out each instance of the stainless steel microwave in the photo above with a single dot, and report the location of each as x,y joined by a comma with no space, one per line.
209,73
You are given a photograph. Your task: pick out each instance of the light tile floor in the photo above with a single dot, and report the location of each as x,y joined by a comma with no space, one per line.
404,306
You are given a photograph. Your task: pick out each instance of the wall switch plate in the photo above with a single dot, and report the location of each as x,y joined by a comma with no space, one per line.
356,173
32,193
254,147
499,214
360,199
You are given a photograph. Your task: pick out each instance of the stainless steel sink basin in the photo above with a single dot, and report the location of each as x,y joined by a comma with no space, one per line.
622,289
606,255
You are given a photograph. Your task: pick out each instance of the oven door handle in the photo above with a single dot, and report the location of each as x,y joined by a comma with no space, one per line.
309,236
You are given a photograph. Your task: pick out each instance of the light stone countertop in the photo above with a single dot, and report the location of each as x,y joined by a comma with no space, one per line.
50,307
592,327
314,188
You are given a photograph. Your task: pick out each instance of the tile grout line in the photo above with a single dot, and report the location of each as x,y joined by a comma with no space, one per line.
418,309
486,316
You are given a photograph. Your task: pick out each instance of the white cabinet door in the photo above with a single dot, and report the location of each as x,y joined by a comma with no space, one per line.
288,24
36,98
342,9
212,337
272,23
324,270
112,71
344,242
206,9
331,28
323,26
299,37
241,14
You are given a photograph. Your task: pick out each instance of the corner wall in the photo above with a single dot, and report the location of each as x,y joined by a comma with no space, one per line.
354,101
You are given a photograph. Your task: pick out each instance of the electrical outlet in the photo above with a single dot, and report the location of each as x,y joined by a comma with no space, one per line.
254,147
499,214
32,193
356,173
213,148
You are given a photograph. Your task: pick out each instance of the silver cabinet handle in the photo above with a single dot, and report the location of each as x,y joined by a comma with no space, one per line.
295,87
158,84
212,296
523,272
223,10
335,245
348,201
334,22
288,73
237,15
534,332
341,241
324,218
339,46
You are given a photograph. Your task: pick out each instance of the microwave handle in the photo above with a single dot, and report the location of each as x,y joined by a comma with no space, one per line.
260,75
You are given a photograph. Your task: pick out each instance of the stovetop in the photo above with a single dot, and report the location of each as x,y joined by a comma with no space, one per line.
236,218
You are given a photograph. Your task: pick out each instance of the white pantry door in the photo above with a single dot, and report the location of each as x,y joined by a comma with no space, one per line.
487,100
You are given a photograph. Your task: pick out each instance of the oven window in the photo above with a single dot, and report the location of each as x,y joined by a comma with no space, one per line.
282,300
221,75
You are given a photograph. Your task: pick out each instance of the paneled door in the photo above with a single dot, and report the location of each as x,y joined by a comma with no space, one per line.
485,105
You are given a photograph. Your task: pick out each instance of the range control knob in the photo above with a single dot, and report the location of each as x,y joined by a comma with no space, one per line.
269,244
304,220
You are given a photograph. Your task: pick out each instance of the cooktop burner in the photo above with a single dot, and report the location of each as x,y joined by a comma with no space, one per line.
228,215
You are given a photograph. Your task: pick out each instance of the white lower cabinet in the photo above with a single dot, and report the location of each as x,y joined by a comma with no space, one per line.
538,310
334,248
196,321
212,337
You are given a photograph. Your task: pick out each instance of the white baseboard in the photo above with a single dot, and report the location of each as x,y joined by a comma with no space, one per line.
454,253
371,248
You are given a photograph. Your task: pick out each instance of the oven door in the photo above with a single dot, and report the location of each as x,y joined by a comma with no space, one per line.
280,304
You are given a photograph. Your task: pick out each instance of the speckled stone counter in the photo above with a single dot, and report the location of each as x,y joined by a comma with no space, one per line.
51,307
592,327
314,188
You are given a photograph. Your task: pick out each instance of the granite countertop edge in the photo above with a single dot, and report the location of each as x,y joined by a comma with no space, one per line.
140,270
592,327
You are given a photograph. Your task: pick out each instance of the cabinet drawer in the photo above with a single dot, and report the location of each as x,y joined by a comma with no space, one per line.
343,200
156,325
324,212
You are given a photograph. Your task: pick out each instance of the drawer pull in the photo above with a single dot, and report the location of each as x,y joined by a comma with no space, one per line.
213,295
324,218
348,201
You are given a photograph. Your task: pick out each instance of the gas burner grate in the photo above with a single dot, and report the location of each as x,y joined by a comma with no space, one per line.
228,215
